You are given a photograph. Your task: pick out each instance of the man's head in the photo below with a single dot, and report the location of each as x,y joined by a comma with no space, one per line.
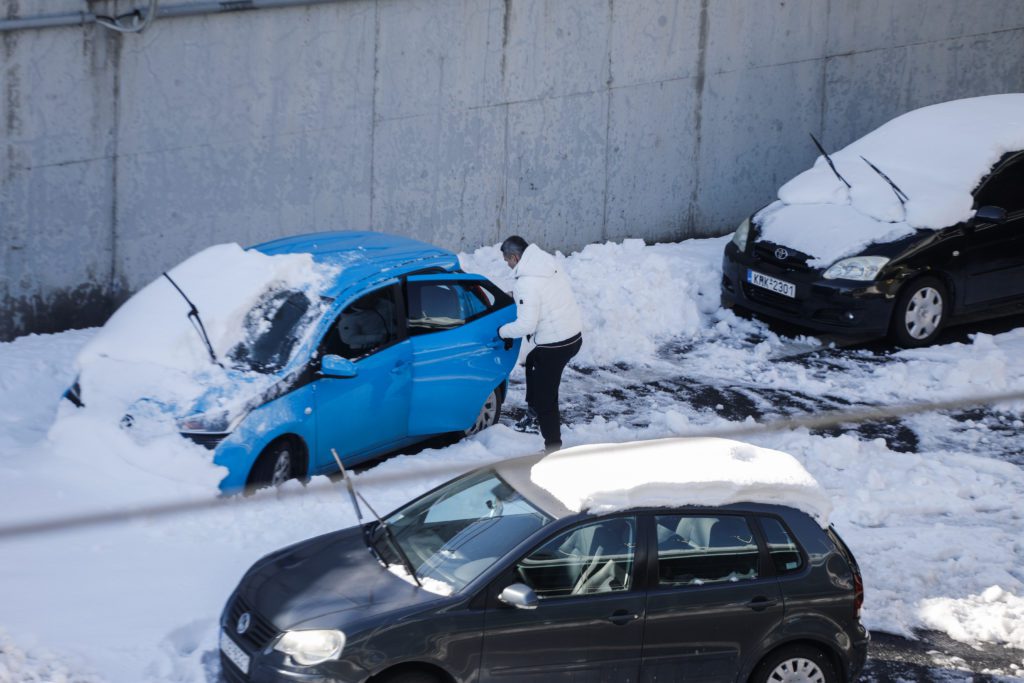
512,250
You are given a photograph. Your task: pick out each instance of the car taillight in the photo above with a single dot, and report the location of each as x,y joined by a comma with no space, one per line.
858,592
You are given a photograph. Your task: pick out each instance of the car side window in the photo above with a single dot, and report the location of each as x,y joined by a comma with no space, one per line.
698,550
589,559
434,306
365,326
1004,189
785,554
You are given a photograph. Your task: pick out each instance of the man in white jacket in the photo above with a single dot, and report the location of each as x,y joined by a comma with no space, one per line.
546,313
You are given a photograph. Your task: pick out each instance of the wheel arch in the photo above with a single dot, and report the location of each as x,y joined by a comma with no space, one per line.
302,450
434,670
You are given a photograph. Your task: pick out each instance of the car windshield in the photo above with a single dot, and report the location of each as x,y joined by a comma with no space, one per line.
272,329
457,532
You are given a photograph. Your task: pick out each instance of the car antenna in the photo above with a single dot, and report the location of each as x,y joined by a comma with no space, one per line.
197,322
356,497
900,194
829,160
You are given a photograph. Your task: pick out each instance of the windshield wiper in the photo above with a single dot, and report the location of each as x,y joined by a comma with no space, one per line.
197,322
381,524
829,160
900,194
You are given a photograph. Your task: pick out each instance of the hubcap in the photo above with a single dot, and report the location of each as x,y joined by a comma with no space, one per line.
797,670
282,468
488,412
924,313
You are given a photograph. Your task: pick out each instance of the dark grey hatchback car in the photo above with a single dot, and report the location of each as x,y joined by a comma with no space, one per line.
514,586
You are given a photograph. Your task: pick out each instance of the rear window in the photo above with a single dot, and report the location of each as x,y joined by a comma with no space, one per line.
785,553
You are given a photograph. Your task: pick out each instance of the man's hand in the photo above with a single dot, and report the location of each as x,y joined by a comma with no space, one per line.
508,342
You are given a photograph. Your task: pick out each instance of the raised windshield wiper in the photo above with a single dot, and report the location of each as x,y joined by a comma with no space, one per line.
381,524
197,322
900,194
829,160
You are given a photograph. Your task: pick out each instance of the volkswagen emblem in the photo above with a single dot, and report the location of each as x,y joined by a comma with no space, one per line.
781,254
243,623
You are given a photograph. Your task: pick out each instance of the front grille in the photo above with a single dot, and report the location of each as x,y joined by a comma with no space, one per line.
260,631
796,261
229,672
205,439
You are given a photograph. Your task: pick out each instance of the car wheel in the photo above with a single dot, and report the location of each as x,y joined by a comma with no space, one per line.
489,413
411,676
796,664
920,312
279,462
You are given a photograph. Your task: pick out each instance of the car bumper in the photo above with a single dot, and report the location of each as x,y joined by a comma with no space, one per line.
858,654
840,307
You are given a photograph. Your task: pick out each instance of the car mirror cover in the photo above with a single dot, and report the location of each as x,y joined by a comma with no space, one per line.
336,366
520,596
990,214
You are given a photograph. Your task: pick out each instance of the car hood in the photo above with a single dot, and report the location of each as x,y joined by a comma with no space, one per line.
326,582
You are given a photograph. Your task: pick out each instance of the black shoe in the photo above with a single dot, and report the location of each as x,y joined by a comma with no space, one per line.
527,423
552,447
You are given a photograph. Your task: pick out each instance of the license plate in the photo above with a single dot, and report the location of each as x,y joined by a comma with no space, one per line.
771,284
234,653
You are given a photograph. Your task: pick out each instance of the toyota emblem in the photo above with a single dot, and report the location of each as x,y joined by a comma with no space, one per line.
781,254
243,623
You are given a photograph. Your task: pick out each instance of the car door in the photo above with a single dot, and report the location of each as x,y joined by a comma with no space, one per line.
709,603
589,623
363,414
457,356
994,251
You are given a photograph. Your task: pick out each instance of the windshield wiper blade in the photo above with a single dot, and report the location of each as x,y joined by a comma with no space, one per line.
197,322
900,194
381,524
829,160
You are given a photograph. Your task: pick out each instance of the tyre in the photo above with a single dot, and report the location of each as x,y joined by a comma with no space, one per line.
411,676
920,312
280,461
796,664
489,413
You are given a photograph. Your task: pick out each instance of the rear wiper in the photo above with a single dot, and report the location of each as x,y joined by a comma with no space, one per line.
197,322
900,194
829,160
381,524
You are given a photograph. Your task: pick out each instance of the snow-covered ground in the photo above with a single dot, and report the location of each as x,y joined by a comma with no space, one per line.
937,530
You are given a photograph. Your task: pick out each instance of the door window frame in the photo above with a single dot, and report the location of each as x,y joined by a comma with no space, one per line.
461,280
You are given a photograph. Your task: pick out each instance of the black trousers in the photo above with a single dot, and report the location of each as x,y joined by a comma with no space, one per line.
544,366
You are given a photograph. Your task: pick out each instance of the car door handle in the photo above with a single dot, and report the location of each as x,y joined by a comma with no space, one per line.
622,617
761,602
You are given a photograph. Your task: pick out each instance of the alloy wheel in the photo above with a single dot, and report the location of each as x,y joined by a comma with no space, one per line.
282,468
797,670
487,416
923,313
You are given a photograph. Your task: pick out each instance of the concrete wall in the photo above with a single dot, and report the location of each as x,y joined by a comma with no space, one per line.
455,121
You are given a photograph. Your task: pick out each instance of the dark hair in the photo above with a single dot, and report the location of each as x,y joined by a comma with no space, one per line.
514,245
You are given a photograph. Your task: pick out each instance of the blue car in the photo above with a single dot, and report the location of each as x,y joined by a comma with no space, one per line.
398,346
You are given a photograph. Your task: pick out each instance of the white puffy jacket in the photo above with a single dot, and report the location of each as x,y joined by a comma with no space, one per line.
545,305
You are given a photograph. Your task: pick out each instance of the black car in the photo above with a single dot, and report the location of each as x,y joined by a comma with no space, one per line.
908,286
514,586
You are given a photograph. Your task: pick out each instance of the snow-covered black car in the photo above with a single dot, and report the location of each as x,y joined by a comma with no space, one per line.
917,224
675,560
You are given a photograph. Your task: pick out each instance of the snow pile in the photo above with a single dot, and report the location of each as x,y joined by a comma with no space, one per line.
673,472
18,665
994,616
936,155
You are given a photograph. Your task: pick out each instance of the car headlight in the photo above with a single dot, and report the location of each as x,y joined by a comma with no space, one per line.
311,647
739,238
862,268
212,422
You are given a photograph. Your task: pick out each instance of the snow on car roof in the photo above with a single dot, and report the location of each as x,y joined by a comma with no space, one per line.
675,472
937,155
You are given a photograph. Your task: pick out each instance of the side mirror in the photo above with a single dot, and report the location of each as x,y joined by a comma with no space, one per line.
989,214
336,366
520,596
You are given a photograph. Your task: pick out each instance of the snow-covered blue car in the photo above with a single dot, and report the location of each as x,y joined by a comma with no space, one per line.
359,342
